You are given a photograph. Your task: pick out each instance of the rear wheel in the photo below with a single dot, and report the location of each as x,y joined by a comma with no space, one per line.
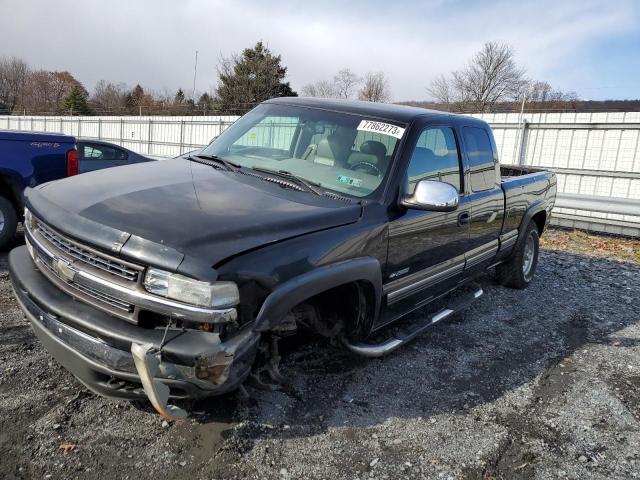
8,221
518,271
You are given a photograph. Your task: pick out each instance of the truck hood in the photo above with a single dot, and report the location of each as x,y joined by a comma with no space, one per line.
194,209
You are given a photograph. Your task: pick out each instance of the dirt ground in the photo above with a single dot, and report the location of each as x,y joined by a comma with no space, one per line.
540,383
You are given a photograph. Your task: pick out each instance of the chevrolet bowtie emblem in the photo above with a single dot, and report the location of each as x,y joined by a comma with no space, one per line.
63,269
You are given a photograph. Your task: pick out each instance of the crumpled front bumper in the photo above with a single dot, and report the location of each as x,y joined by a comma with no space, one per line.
96,347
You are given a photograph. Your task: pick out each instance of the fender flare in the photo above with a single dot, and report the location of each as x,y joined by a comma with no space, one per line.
536,207
292,292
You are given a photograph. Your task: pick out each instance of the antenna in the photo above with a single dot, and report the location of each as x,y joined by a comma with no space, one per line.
195,72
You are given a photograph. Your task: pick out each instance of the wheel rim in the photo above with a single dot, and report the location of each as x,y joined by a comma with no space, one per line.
527,258
1,221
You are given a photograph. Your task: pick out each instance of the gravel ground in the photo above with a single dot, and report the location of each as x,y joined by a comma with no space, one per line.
541,383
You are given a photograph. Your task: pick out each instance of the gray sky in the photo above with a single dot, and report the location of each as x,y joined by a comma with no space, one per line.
590,46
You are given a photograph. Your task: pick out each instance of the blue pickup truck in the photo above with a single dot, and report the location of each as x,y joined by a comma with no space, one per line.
28,159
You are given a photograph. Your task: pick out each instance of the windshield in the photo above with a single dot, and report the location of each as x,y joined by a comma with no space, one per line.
349,154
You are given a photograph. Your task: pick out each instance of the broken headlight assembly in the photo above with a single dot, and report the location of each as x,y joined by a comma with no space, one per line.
187,290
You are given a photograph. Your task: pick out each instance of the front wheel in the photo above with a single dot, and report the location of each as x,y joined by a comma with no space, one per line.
8,221
518,271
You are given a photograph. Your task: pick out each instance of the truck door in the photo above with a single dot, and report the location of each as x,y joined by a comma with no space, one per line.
426,248
485,197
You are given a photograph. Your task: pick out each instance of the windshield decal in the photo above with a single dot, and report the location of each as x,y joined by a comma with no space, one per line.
354,182
381,127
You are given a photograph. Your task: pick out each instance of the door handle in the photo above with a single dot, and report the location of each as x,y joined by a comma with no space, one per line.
464,218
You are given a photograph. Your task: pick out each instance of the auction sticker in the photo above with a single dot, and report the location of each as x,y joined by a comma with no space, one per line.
381,127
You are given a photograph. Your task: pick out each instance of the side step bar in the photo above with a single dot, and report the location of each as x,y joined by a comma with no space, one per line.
403,337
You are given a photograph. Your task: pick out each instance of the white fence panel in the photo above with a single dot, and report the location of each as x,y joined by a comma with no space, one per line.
592,153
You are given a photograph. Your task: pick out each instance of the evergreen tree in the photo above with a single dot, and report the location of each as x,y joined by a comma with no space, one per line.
76,102
251,78
179,98
134,97
205,103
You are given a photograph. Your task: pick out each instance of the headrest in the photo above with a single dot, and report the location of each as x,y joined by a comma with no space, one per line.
334,148
374,148
324,149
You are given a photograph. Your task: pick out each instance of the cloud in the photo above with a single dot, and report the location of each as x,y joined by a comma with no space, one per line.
153,42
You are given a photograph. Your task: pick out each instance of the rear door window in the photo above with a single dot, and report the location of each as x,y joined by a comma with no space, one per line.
482,163
94,151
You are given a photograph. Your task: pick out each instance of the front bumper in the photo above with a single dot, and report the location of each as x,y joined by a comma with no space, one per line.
96,347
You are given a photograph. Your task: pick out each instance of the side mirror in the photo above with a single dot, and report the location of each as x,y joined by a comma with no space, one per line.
432,195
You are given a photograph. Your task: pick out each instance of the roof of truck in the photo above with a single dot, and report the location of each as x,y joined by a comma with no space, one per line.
400,113
28,136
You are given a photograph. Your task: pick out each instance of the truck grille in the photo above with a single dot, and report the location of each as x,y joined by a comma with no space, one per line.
89,256
94,294
87,259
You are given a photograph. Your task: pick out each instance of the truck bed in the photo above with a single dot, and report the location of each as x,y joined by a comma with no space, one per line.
508,171
522,186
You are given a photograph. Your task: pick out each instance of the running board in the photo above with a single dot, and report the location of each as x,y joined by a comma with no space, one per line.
405,336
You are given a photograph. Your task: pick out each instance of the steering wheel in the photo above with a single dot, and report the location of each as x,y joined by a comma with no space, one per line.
367,167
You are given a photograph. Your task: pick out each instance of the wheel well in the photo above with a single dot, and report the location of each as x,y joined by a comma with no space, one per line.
8,190
343,310
540,219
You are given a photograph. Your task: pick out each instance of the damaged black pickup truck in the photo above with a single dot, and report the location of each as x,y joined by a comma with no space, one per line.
175,279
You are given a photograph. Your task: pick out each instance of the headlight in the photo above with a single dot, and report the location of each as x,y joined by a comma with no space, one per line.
187,290
28,219
28,225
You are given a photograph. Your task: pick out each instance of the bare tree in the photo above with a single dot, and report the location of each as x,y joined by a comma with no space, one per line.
375,88
442,90
544,92
491,76
13,76
321,89
538,91
108,97
345,82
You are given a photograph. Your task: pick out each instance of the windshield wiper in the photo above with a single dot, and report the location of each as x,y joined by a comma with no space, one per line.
232,167
303,182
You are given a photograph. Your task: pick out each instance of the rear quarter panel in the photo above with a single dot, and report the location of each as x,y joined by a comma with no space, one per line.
534,191
34,162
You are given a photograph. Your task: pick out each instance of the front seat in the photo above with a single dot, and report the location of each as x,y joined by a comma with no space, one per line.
333,149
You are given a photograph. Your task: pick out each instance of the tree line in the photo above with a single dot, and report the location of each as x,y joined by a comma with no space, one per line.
244,80
490,80
373,87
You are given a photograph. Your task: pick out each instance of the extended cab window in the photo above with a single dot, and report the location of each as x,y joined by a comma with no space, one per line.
435,157
481,159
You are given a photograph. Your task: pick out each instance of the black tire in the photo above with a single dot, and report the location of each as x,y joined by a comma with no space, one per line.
8,221
518,271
